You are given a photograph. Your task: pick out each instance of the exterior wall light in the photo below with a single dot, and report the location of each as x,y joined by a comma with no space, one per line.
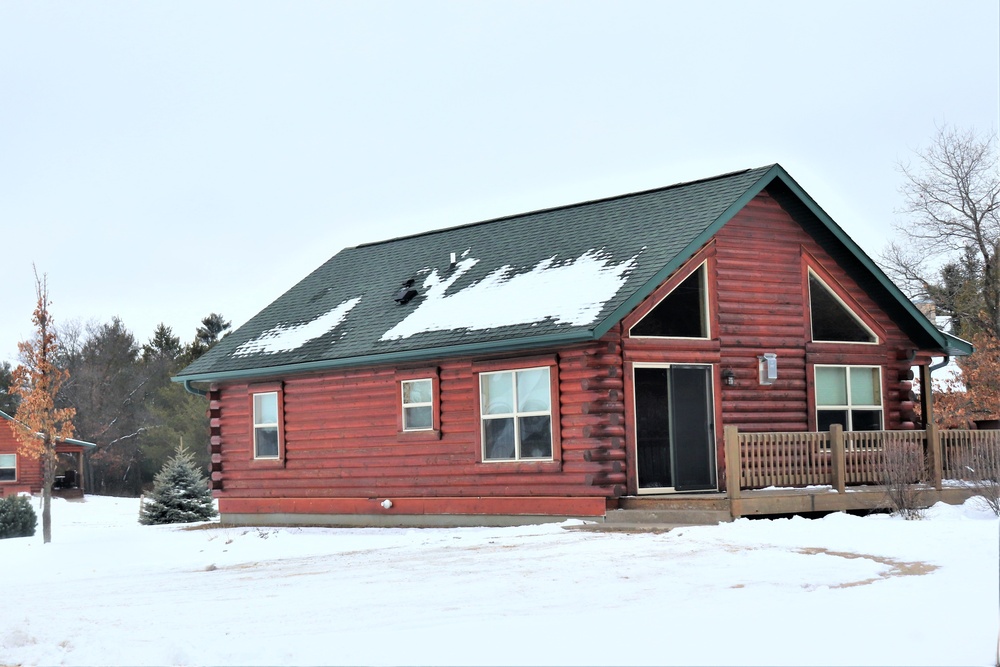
768,364
729,377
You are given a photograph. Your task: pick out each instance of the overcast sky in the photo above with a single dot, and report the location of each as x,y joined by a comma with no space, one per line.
163,160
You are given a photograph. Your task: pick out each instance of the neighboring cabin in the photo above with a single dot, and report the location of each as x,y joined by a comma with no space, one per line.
550,363
23,474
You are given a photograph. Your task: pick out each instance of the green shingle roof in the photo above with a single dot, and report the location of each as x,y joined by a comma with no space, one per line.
605,256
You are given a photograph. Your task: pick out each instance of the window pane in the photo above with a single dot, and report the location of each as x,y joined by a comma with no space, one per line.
498,439
866,420
831,386
865,386
536,437
533,390
417,391
497,393
831,320
680,314
265,408
267,441
8,471
826,418
417,418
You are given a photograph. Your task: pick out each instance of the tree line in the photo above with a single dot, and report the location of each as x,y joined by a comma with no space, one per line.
124,400
948,254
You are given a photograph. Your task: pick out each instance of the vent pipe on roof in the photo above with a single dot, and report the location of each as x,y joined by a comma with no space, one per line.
405,293
453,260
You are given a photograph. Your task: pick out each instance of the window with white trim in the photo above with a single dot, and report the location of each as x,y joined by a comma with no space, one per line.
830,318
265,426
418,404
850,396
682,313
8,467
516,412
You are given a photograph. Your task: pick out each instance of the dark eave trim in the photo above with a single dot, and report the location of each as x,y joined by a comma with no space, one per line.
467,349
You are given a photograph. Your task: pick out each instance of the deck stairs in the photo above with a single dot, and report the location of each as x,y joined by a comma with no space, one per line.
640,514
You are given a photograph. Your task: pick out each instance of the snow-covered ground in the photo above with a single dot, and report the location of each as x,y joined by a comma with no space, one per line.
840,590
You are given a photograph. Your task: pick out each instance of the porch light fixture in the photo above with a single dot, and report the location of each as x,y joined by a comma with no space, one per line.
768,364
729,377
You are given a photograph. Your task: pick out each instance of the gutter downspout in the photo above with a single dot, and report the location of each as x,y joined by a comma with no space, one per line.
192,390
934,367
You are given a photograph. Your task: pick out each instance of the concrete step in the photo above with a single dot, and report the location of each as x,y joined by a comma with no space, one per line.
599,527
708,501
689,517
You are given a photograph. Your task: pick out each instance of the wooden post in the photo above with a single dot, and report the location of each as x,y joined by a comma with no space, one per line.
837,461
935,455
926,396
731,435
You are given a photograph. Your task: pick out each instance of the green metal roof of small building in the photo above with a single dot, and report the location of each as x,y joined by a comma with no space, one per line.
537,279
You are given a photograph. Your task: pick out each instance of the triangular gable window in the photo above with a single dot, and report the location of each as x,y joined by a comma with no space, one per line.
832,320
681,314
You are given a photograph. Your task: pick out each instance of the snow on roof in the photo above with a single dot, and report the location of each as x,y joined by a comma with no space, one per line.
571,292
285,337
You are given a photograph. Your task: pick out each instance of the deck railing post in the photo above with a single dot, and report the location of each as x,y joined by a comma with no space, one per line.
734,466
837,458
935,456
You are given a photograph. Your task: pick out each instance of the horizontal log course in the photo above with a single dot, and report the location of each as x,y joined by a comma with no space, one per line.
604,455
610,478
608,419
604,407
580,397
673,356
757,342
763,424
602,383
603,431
583,444
384,486
595,467
325,451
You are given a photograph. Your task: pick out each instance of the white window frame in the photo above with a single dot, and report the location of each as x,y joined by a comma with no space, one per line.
10,467
424,404
276,425
849,406
850,311
515,415
706,320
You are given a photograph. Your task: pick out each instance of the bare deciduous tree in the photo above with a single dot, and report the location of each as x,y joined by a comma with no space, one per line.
949,242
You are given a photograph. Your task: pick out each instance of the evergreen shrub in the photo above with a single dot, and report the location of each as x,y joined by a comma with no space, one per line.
17,517
180,493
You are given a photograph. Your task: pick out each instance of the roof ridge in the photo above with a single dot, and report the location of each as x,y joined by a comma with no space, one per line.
561,207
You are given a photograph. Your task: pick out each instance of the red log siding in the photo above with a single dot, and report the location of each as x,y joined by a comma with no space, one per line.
342,431
29,471
342,438
758,299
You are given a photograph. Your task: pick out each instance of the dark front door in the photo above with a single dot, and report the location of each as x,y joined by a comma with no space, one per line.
675,431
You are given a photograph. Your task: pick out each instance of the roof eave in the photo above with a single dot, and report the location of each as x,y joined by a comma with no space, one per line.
947,343
422,354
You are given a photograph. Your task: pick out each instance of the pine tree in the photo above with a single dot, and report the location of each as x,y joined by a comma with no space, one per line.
180,493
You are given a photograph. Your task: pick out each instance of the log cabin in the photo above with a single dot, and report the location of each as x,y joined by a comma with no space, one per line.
553,363
23,474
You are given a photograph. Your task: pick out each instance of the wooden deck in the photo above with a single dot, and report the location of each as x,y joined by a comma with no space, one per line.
803,472
782,501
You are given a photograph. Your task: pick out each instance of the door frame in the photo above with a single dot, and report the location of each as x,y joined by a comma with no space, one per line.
632,440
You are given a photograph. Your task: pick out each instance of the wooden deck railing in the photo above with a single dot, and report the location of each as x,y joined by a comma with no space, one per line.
971,455
840,458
